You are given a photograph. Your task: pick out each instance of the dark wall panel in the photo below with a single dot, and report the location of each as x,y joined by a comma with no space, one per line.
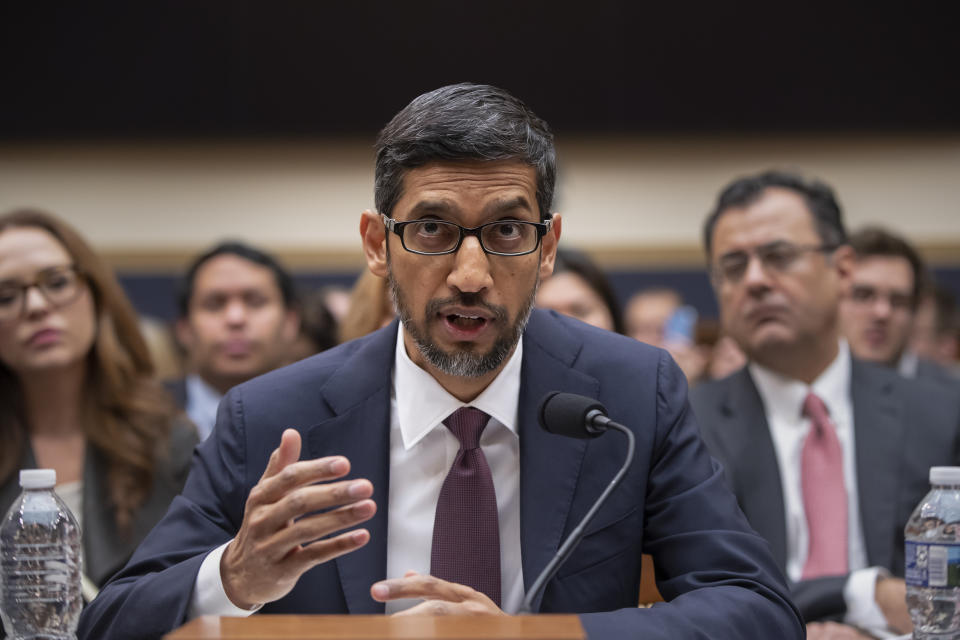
302,67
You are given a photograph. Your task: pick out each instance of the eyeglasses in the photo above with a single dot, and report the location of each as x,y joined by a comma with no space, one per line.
867,296
59,285
439,237
775,257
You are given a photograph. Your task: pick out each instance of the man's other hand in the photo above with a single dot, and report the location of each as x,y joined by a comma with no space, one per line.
442,598
891,597
834,631
275,544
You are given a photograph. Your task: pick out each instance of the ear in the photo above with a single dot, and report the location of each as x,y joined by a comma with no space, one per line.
184,334
374,237
291,326
548,252
844,261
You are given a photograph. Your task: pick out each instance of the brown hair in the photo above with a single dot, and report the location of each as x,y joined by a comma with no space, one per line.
873,242
127,414
370,307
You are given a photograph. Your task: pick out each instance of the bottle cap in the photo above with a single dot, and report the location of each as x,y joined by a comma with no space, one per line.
38,478
945,475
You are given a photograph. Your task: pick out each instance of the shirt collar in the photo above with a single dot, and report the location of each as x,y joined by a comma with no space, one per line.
423,404
201,392
908,365
202,403
783,396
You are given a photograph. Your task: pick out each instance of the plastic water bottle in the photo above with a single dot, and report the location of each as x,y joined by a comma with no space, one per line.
933,558
40,568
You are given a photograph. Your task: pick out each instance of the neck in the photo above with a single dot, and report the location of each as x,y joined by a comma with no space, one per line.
220,384
53,400
802,362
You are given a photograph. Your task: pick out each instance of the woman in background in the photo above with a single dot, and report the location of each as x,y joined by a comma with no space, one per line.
77,392
578,288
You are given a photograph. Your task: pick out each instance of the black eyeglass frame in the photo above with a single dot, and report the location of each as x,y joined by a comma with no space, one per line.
542,228
24,287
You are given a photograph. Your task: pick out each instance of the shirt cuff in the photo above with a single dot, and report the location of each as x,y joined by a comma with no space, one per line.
859,594
209,597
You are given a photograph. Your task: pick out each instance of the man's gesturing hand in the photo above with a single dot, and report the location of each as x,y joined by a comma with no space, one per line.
441,597
267,557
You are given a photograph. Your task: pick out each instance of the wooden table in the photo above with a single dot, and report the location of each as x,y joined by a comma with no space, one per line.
379,627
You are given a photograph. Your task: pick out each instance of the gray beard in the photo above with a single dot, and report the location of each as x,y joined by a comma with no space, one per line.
463,363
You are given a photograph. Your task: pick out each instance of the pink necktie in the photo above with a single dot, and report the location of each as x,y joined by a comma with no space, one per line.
824,494
466,534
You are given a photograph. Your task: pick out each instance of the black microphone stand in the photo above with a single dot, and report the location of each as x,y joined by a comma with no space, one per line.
577,534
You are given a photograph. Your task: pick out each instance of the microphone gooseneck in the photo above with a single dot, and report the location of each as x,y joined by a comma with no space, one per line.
576,416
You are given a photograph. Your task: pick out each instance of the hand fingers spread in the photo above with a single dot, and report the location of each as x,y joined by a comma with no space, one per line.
311,528
272,489
315,497
288,452
304,558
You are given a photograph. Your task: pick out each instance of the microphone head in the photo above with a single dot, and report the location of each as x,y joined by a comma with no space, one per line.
566,414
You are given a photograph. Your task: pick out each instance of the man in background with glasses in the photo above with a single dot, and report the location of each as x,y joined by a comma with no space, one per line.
463,498
827,455
887,284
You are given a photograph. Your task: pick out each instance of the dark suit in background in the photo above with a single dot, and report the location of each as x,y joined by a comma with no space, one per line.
902,427
719,574
934,372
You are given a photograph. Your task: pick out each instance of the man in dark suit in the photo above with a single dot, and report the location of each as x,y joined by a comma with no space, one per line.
238,318
827,455
459,520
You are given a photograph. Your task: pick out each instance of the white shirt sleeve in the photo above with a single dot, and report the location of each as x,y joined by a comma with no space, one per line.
859,594
209,597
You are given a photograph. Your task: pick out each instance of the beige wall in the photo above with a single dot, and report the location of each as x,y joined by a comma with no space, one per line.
633,201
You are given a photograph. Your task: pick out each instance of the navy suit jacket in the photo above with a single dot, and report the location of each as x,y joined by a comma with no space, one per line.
719,575
901,428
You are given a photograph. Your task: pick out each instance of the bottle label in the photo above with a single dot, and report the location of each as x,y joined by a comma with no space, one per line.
932,564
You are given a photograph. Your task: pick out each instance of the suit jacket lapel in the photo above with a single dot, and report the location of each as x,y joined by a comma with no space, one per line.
753,462
359,395
878,429
549,464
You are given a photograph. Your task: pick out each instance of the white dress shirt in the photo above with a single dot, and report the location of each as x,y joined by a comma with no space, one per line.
422,451
783,405
202,402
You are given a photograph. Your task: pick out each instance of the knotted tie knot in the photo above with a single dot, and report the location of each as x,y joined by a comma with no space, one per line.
467,424
815,409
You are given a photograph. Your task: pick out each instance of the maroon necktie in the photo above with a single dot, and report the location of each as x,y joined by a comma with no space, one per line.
824,494
466,536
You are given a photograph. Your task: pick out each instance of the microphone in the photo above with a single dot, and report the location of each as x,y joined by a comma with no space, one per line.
575,416
567,414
